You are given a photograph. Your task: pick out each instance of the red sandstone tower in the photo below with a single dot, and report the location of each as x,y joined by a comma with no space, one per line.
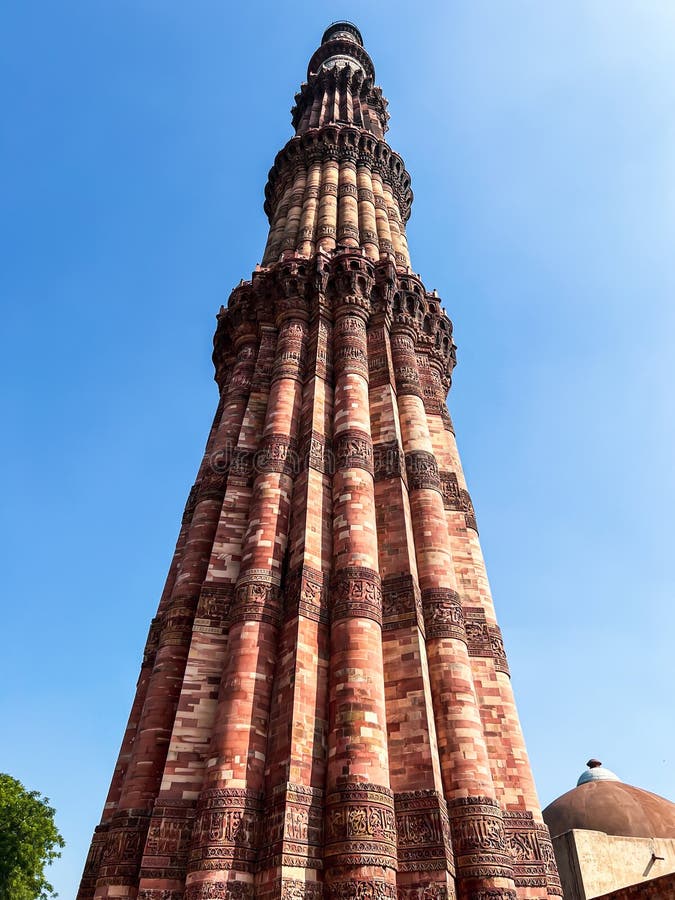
324,707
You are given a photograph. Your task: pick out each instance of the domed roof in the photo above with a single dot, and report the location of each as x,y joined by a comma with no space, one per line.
601,802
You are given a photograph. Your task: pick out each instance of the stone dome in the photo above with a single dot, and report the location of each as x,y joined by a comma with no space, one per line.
601,802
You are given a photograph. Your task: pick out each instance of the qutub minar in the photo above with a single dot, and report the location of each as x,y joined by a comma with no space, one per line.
324,707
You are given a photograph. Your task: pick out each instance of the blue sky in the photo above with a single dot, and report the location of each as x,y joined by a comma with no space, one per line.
541,142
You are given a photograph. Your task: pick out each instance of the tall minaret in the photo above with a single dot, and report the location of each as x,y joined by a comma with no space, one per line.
324,708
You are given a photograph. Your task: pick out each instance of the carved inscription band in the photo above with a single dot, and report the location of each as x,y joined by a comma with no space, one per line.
354,449
401,603
226,832
422,470
485,639
121,856
257,599
457,499
306,595
360,827
423,832
479,839
220,890
529,866
356,591
443,614
294,829
388,460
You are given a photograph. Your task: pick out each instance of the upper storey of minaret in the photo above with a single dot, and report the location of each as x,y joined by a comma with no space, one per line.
340,86
337,184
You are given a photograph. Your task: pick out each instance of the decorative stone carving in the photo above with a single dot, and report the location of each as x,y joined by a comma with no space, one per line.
450,490
324,351
546,848
360,890
467,506
356,592
289,361
529,867
443,614
213,608
350,286
256,599
305,595
495,894
291,889
278,453
169,837
152,642
221,890
405,361
497,648
477,632
339,145
121,855
478,838
212,484
226,832
360,827
93,862
389,460
457,499
317,454
264,363
190,504
422,470
401,603
353,449
428,891
159,894
294,828
423,832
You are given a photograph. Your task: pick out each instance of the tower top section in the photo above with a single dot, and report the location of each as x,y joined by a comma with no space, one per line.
340,87
343,30
337,185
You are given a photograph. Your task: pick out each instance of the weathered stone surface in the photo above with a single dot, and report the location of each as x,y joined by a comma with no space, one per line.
324,708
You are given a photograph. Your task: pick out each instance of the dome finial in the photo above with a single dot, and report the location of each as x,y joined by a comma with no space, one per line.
596,772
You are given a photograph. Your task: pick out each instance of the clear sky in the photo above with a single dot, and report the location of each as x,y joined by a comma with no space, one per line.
136,140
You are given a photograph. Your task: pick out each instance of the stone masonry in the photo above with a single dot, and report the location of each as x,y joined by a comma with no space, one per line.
324,708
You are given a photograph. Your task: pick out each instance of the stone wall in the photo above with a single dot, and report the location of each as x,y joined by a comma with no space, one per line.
592,864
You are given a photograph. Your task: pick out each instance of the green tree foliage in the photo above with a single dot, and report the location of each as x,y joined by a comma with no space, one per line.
29,841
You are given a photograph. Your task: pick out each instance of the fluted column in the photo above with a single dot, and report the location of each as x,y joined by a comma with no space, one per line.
360,839
348,208
228,827
292,848
278,226
477,828
384,238
118,875
534,871
166,850
307,233
93,862
327,220
395,226
425,860
296,199
367,215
